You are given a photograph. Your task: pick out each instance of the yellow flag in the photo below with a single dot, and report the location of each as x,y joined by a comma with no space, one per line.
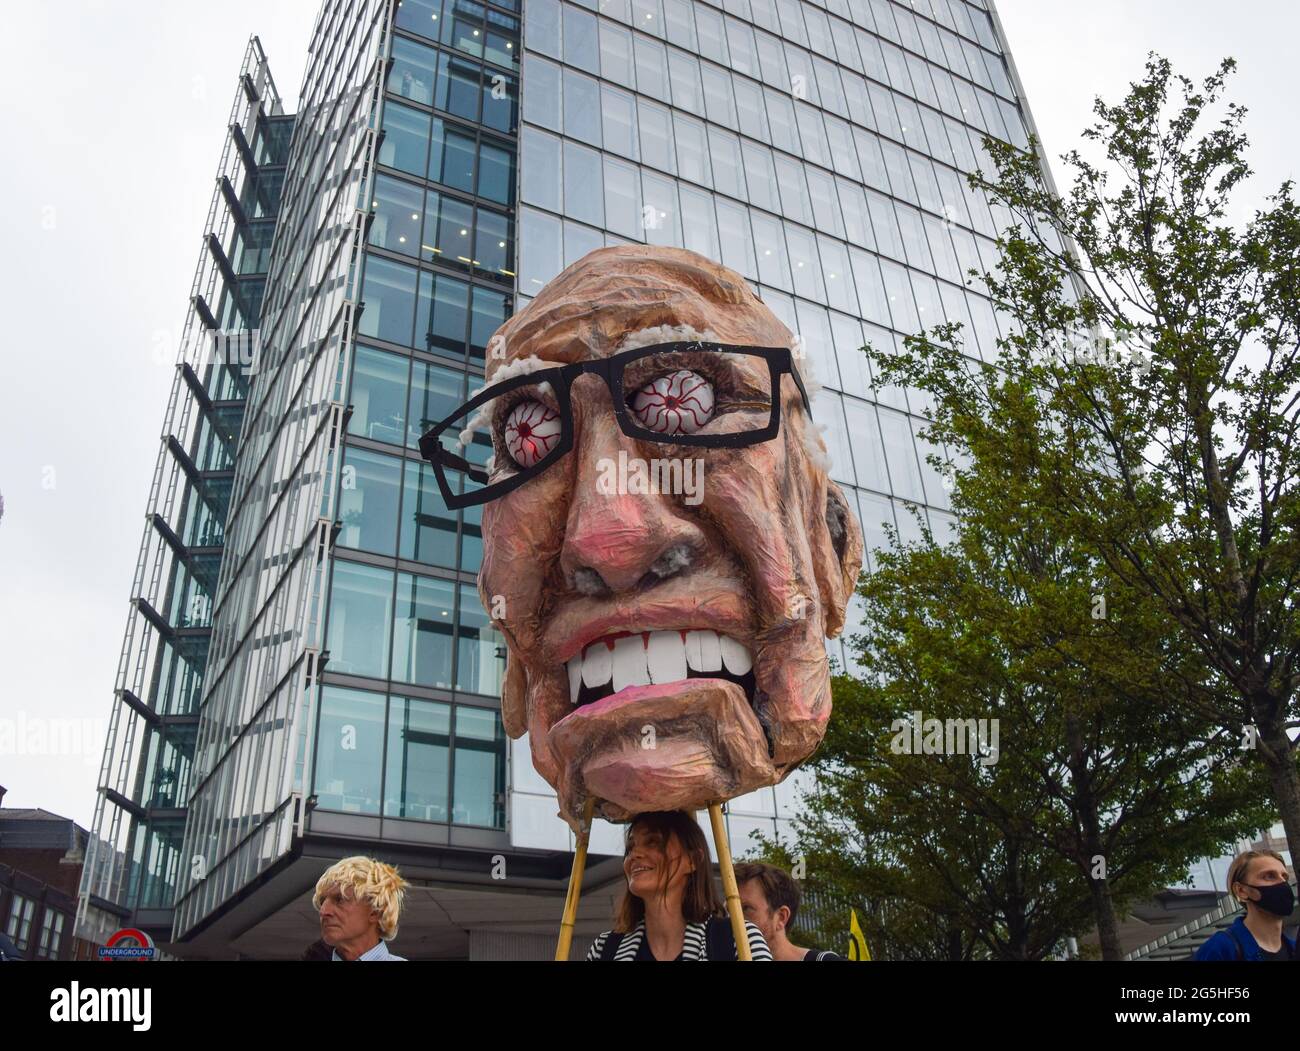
857,940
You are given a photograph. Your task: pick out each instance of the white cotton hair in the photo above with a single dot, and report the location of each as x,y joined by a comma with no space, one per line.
511,369
648,337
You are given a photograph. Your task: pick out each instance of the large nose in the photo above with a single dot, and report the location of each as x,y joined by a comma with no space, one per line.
614,540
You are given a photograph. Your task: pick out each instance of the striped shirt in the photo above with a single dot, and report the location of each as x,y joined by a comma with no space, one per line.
376,952
694,944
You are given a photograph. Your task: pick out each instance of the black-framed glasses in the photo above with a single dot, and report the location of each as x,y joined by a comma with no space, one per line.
668,393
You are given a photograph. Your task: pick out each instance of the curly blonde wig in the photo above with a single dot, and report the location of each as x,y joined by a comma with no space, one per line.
371,879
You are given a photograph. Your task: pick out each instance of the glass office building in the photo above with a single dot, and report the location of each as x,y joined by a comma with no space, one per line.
334,687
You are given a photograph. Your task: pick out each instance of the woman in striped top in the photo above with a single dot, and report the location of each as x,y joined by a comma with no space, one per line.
670,908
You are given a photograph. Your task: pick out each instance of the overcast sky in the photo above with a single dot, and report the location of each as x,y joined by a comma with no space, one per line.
114,115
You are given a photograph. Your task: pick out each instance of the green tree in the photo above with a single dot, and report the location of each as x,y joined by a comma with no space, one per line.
1157,349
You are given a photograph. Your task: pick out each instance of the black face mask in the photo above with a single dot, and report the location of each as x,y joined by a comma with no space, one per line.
1277,898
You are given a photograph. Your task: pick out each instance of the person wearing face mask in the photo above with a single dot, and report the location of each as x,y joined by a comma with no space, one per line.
670,908
1259,881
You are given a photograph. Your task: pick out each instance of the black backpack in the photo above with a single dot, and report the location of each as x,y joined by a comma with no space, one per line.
718,941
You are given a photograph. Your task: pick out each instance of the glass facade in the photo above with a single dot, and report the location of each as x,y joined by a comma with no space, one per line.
134,863
306,652
820,150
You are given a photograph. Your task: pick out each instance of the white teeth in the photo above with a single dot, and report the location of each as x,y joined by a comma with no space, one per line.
630,668
597,664
710,653
575,679
666,656
693,649
734,656
655,657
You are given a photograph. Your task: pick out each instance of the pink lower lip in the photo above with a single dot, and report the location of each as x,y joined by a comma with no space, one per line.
632,693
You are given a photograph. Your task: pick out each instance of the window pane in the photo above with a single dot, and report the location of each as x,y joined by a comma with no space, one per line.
414,70
580,39
835,268
901,304
542,26
488,313
458,86
494,243
453,163
692,152
616,54
542,99
760,177
804,264
903,470
428,528
443,315
389,295
447,237
349,750
436,392
698,226
684,74
713,42
418,778
724,149
368,501
378,395
656,136
651,68
737,241
398,208
480,781
540,250
622,199
661,213
406,139
769,246
582,172
825,204
619,122
780,115
481,653
541,169
500,101
868,453
422,630
359,615
750,109
719,104
496,179
420,16
581,107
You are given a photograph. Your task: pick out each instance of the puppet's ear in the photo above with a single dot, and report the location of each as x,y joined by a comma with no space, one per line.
837,553
514,703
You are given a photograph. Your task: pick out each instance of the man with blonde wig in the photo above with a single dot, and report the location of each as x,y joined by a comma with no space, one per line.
360,902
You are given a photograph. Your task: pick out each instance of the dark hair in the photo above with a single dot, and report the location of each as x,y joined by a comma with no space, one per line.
701,900
778,888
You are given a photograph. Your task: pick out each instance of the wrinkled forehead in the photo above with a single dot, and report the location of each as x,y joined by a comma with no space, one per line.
616,299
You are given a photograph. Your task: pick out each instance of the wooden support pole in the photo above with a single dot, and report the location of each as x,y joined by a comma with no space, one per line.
729,887
575,884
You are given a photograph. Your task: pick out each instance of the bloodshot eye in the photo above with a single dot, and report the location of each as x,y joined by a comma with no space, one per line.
532,429
679,403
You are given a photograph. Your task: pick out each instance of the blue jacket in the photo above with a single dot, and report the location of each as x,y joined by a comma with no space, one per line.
1222,947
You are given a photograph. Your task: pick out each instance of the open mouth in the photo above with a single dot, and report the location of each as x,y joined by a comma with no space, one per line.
616,661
